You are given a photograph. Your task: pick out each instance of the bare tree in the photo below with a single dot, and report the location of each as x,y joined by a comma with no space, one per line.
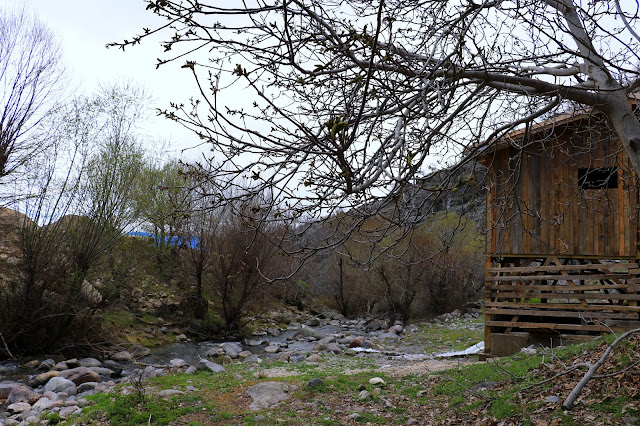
78,205
352,98
31,78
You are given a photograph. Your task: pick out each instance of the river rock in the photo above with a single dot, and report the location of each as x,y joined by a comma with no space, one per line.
306,331
376,381
273,332
326,340
272,349
89,362
177,363
244,354
268,394
87,387
47,364
211,366
31,364
122,356
140,374
60,366
284,356
138,351
42,404
72,363
61,385
80,375
102,371
314,358
391,336
104,387
43,378
396,329
231,349
357,342
214,352
334,348
22,393
313,322
69,411
253,342
19,407
192,369
5,390
363,395
113,366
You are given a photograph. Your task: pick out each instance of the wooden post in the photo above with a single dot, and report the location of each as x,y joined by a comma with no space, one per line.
487,317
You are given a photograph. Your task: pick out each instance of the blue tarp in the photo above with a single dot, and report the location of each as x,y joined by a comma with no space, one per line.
175,241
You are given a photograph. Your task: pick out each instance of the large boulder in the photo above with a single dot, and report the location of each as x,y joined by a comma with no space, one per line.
89,362
61,385
22,393
231,349
309,332
19,407
210,366
122,356
80,375
103,372
267,394
138,351
113,366
6,388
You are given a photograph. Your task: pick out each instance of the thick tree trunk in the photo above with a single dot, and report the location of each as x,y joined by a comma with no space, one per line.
627,127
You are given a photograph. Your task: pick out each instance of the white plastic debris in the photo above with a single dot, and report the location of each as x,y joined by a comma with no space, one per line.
475,349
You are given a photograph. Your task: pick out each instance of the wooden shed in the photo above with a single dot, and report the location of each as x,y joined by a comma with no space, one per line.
562,234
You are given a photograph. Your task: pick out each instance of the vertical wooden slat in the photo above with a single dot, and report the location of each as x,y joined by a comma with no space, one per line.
487,317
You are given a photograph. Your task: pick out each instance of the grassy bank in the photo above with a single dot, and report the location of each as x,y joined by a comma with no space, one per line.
521,389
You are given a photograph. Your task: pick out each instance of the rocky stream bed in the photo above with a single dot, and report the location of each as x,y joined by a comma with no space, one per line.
31,390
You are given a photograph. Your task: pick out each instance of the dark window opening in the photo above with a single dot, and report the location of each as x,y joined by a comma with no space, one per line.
603,178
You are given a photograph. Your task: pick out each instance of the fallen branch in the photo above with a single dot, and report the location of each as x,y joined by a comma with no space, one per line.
568,403
6,347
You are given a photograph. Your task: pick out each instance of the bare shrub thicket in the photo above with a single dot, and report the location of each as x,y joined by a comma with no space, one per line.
414,273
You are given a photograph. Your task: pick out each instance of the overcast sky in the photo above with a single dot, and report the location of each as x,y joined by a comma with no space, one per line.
84,27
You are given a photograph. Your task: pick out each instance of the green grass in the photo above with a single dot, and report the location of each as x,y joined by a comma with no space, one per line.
128,410
457,334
